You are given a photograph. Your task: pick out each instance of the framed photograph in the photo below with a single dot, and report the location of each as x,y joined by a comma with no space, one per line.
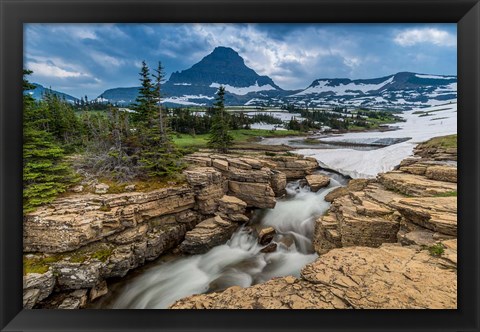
167,165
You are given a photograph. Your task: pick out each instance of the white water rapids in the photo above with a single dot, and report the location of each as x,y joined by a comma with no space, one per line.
239,261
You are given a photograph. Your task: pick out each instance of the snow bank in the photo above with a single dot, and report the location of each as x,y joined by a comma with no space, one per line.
243,91
367,164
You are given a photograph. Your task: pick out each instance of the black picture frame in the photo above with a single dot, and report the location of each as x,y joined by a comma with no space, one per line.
14,13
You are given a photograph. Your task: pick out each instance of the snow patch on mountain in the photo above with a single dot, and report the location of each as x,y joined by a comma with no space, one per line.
351,88
190,100
436,77
243,91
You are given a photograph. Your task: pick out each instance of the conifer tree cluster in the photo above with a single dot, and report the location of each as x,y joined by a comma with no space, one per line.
45,174
220,138
158,156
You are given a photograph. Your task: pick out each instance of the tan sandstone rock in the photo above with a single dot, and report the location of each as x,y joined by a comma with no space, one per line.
317,181
208,234
389,277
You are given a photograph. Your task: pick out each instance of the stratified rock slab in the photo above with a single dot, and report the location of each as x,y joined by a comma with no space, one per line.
258,195
438,214
208,234
389,277
415,185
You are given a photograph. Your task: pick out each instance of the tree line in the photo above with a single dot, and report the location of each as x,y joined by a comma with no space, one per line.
117,144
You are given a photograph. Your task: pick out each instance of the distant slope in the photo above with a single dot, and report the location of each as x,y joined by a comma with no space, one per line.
40,90
196,86
401,90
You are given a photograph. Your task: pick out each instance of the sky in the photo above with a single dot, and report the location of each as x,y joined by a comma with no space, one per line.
87,59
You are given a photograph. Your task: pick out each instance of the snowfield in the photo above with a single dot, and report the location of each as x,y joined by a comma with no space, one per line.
343,89
442,120
435,77
243,91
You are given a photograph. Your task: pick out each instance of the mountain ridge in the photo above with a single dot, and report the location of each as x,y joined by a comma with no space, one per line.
197,86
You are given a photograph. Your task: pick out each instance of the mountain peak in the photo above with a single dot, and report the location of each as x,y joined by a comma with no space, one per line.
223,50
223,66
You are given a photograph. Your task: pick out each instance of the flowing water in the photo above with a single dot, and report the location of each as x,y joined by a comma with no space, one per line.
239,261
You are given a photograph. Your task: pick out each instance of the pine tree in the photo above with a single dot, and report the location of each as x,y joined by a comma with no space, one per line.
45,175
220,138
145,101
158,155
159,79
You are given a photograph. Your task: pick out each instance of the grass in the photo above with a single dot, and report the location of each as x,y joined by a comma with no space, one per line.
436,250
446,142
239,136
41,264
447,194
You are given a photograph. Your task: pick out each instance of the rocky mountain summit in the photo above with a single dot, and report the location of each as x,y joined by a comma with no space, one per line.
384,243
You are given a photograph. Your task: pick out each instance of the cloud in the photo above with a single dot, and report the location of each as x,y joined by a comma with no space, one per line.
106,60
434,36
51,70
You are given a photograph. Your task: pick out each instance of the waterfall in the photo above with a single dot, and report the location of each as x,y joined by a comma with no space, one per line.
239,261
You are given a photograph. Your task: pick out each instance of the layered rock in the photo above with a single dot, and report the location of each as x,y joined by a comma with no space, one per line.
388,243
317,181
36,287
72,222
208,234
389,277
415,204
294,167
84,239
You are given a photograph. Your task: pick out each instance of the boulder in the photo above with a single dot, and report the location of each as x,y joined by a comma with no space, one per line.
271,247
130,187
266,235
101,188
77,189
232,208
75,300
36,287
208,234
81,219
258,195
278,182
220,164
317,181
335,193
98,290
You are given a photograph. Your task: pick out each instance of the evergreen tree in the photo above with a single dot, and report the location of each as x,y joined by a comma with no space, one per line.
159,157
159,79
220,138
45,175
145,102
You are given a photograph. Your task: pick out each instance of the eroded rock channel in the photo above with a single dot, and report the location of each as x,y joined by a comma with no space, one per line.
248,232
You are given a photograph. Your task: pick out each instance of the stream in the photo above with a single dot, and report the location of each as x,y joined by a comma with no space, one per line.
239,262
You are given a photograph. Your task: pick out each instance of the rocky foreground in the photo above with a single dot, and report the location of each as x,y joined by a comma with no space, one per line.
72,246
384,243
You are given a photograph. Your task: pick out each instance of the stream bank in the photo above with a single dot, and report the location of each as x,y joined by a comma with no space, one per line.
76,243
